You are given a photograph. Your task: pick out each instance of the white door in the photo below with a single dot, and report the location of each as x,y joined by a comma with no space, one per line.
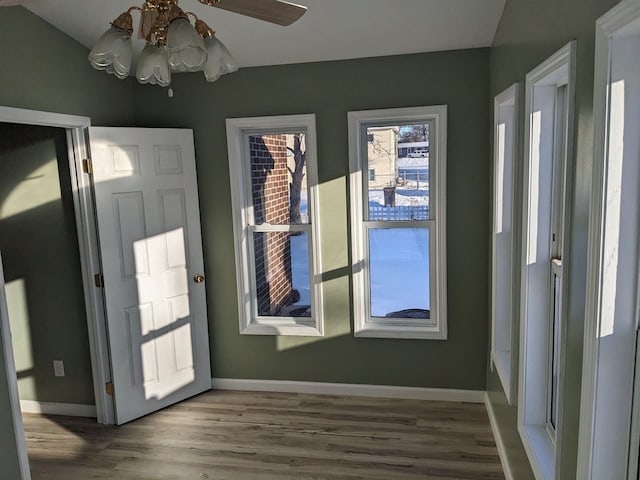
150,242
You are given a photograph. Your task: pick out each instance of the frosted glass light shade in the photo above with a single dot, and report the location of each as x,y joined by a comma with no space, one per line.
185,47
219,61
112,53
153,66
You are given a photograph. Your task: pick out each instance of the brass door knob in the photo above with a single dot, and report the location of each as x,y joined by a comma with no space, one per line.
198,278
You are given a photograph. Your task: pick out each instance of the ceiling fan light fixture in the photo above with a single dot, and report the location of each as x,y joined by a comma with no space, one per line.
153,66
185,46
113,52
173,44
219,61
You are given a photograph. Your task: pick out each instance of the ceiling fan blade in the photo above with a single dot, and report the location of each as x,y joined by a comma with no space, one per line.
273,11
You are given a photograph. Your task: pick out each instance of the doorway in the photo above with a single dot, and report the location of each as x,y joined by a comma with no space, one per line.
75,132
41,262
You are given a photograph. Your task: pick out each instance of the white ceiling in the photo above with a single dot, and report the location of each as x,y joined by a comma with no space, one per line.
330,30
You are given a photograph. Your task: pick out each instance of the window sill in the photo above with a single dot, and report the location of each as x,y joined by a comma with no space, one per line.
282,329
387,331
502,361
540,450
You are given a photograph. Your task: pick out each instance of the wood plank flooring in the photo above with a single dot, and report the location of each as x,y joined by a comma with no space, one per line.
269,436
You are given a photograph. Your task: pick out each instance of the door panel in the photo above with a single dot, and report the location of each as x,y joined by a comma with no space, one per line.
150,241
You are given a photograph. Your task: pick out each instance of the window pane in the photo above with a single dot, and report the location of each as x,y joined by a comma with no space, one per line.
399,263
398,165
555,333
279,178
282,274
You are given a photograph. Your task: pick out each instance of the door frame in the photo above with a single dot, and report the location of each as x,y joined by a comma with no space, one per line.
90,261
12,383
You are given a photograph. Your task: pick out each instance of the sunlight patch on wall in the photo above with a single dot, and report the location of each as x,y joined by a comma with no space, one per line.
35,190
613,209
534,186
20,333
334,265
501,149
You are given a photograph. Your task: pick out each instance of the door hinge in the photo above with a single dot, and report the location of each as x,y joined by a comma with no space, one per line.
87,166
99,279
108,387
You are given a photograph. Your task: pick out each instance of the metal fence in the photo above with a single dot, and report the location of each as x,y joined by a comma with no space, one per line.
404,212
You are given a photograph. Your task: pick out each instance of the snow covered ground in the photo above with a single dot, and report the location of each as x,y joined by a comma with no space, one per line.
399,269
405,197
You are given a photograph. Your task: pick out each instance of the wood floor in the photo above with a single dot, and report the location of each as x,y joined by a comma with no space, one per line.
269,436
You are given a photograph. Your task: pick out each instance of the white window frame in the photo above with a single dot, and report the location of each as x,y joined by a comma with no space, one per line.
541,444
436,327
242,207
504,309
610,408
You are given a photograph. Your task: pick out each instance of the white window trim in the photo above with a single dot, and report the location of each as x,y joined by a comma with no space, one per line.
607,27
437,327
251,324
503,354
532,410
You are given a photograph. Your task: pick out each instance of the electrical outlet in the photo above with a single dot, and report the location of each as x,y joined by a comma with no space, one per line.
58,368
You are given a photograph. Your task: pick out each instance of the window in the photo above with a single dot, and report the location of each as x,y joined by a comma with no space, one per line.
398,223
610,405
547,138
272,165
504,215
372,174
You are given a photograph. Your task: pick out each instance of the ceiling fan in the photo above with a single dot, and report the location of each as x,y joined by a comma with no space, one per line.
173,44
273,11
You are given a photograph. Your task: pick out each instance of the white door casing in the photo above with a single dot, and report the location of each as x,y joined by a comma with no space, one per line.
150,240
11,438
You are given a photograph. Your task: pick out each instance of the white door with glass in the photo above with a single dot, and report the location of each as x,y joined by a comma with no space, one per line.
150,242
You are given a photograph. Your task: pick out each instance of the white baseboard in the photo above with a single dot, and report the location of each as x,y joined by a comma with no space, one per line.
502,452
50,408
382,391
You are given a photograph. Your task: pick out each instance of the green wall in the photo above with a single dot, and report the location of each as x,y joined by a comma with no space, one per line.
39,244
44,69
458,79
528,33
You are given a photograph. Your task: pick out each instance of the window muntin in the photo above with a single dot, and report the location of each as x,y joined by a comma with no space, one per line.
398,277
272,166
